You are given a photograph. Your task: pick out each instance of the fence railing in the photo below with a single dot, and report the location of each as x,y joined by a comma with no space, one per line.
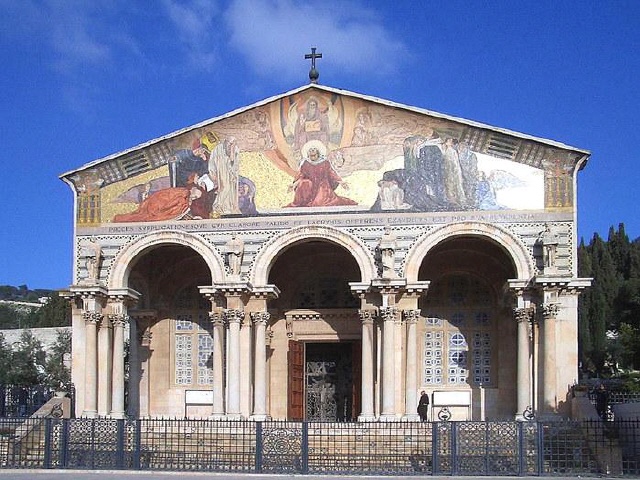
388,448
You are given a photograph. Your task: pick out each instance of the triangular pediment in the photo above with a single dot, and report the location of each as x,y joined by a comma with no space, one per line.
378,155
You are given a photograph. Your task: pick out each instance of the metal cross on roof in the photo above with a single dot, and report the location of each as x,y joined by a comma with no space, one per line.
313,73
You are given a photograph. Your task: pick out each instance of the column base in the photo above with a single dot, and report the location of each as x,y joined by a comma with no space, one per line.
89,414
217,416
411,417
388,417
233,416
366,418
117,415
259,417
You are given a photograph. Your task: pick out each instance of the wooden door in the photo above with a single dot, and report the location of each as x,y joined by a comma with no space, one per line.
295,360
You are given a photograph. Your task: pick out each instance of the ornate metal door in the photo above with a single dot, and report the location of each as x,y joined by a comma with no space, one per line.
329,382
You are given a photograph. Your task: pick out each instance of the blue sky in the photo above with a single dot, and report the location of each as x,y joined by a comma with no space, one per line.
85,79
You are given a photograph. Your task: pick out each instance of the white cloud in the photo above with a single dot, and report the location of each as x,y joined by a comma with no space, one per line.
273,36
195,23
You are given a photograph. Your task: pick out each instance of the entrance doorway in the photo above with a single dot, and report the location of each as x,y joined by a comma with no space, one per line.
328,376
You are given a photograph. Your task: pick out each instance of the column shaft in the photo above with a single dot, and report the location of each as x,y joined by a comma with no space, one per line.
411,373
91,364
367,411
388,364
260,366
118,386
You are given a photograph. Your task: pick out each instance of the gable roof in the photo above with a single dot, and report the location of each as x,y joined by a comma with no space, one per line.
389,103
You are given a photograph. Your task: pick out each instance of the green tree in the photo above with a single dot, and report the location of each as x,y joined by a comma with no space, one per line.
5,360
27,362
55,313
57,372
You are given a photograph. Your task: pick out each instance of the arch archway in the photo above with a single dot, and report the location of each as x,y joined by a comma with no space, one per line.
518,253
267,257
126,258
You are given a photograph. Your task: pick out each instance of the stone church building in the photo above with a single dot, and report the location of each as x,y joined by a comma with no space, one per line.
326,255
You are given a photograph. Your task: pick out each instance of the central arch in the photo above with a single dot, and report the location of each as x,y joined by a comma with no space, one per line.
267,256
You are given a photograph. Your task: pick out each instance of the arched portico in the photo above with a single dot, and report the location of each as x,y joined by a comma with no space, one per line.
468,266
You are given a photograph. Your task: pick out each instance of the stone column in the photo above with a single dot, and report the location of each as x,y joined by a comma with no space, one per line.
524,317
260,320
549,381
117,385
234,317
145,377
246,367
217,319
92,319
133,406
105,357
367,411
411,369
388,315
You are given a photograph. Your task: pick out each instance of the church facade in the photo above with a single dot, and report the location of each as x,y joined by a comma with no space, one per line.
325,255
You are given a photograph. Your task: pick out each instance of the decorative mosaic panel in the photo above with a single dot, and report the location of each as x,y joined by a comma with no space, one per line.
374,157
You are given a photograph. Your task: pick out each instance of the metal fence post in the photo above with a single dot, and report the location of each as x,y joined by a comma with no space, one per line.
47,443
454,448
435,443
259,447
136,445
305,447
540,448
521,450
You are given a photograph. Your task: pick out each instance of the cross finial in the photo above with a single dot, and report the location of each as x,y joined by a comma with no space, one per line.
313,73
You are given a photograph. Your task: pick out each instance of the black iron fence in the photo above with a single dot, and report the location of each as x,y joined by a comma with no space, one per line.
390,448
25,400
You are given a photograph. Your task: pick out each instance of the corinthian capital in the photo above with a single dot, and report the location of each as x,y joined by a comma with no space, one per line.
217,318
366,316
92,316
411,316
523,314
388,313
260,318
118,319
234,315
550,310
